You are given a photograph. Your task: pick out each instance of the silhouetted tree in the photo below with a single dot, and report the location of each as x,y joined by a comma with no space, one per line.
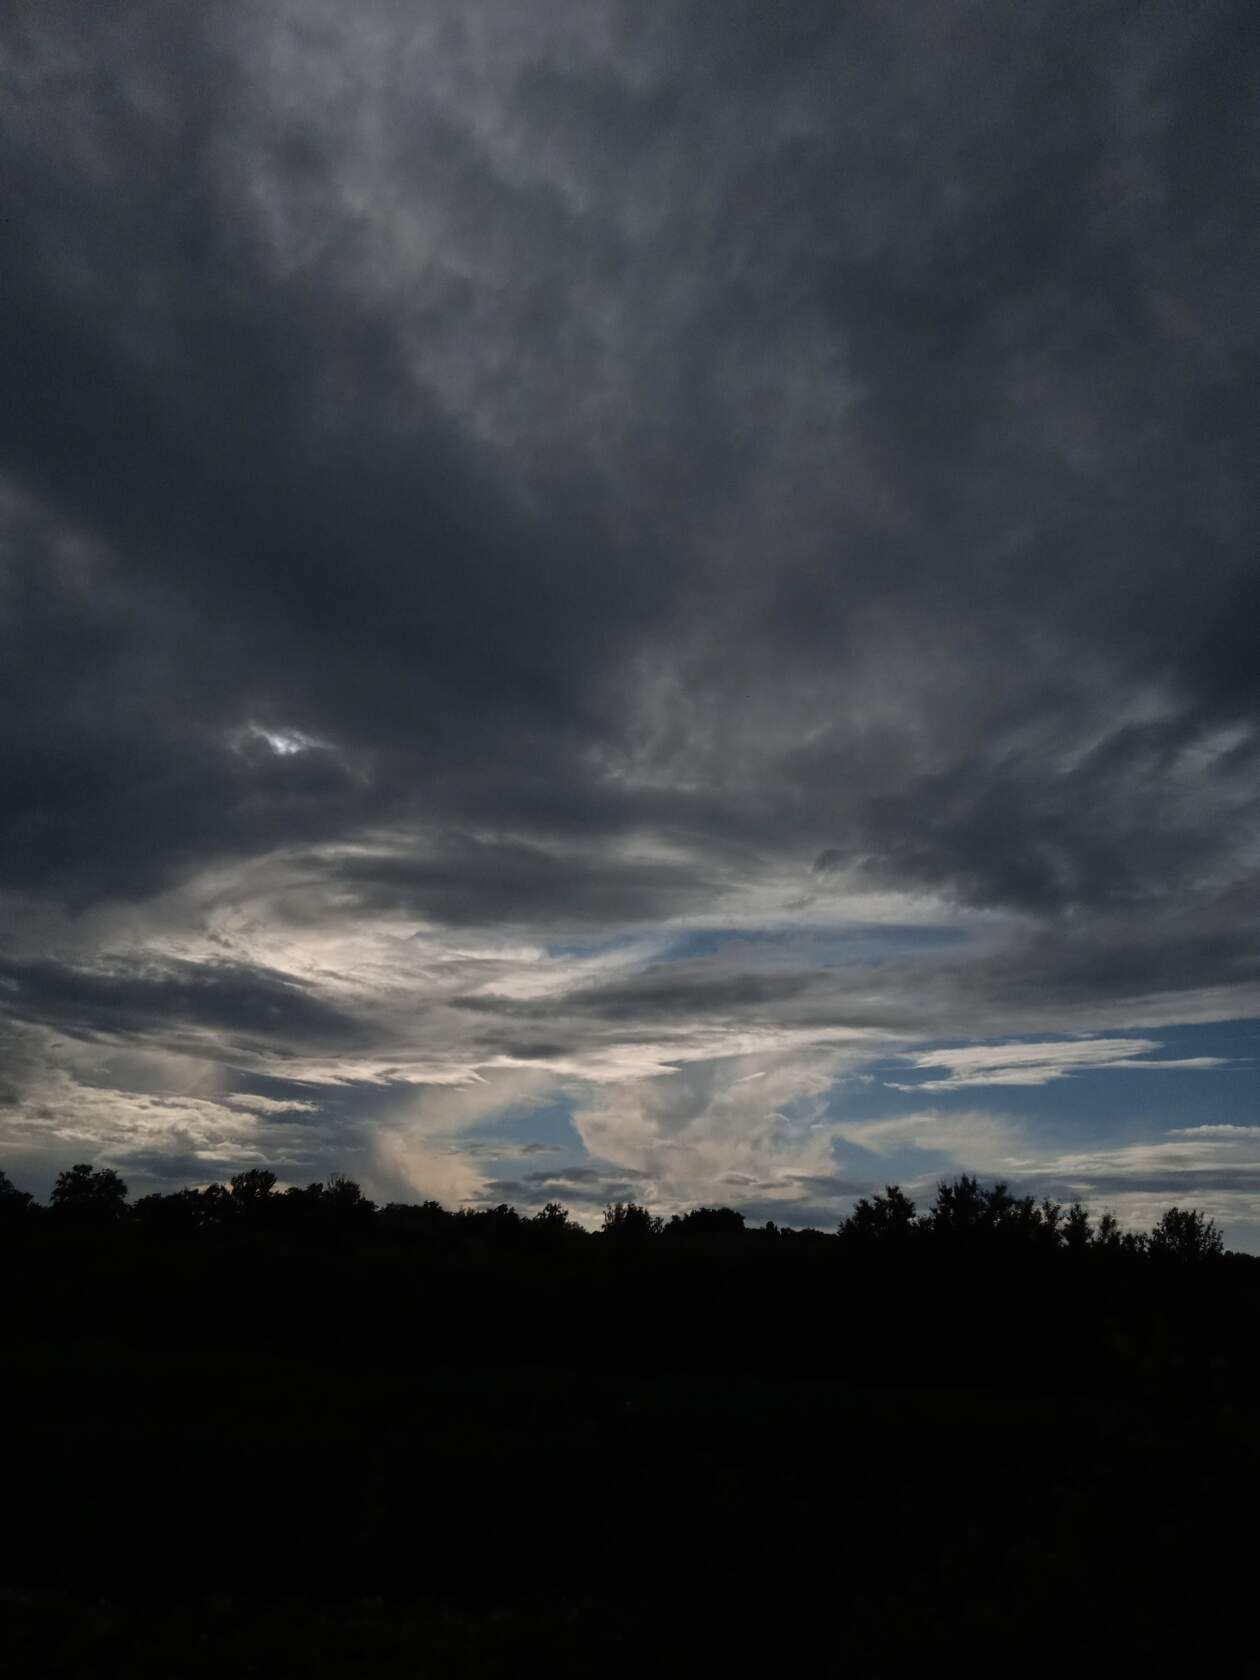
551,1229
999,1207
1077,1229
86,1193
961,1208
1185,1234
1050,1222
1110,1239
627,1222
345,1200
429,1220
882,1219
498,1222
15,1204
706,1223
304,1198
217,1204
1107,1235
253,1188
183,1210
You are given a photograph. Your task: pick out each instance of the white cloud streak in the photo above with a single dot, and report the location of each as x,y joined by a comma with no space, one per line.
1042,1064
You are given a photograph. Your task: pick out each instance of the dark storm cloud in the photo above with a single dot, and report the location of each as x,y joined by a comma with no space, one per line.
678,990
1123,827
1008,236
530,1050
150,997
467,881
285,524
577,466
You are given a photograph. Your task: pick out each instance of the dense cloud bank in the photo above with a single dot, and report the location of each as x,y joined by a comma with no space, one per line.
639,561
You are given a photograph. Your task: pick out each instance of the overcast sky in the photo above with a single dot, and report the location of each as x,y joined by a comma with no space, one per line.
651,599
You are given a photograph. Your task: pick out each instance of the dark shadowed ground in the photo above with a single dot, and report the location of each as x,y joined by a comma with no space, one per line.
463,1447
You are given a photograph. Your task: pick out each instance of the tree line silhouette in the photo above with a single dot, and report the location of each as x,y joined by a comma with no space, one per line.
965,1215
966,1291
341,1438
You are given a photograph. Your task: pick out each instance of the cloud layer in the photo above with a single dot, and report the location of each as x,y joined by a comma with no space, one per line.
616,570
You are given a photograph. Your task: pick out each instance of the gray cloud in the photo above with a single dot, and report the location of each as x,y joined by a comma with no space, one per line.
464,880
584,1187
689,991
142,998
485,487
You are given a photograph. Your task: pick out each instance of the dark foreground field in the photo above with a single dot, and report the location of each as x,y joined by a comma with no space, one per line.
365,1450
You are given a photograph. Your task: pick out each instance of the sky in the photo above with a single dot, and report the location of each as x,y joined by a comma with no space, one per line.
649,600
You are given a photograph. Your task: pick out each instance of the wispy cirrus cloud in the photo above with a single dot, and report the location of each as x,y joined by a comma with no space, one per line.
1041,1064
